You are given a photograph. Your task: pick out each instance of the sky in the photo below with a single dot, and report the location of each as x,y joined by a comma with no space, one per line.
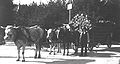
29,1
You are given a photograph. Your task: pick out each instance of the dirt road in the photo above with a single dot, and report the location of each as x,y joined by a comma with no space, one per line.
101,55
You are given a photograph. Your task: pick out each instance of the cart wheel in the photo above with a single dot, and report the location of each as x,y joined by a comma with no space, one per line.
109,45
90,48
97,46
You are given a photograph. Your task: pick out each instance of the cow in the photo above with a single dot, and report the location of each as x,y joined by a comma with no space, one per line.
76,35
53,39
23,36
2,34
68,36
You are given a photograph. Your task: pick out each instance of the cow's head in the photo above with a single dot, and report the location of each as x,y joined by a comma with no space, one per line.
8,33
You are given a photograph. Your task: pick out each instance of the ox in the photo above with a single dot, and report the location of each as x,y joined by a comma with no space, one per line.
52,36
24,36
68,36
2,34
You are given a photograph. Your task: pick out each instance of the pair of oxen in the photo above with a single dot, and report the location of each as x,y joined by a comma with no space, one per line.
67,34
24,36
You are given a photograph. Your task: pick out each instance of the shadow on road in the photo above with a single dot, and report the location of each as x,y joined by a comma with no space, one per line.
8,57
106,52
14,57
82,61
64,61
95,54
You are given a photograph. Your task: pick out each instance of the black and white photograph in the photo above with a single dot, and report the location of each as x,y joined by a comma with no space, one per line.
59,31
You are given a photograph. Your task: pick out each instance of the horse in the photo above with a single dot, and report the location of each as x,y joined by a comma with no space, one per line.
24,36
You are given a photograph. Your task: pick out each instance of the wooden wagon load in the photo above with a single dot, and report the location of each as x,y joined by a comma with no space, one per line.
101,33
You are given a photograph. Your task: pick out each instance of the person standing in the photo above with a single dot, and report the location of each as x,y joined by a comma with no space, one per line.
84,41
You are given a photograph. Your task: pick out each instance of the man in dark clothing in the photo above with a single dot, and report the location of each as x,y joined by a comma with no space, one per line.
84,42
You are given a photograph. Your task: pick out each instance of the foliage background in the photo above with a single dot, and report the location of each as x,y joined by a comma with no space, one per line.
55,13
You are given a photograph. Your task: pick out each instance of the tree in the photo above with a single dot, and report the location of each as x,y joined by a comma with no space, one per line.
110,10
6,12
96,9
56,13
30,15
22,15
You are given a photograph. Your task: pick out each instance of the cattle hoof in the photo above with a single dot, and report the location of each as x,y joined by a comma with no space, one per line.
54,53
63,54
35,57
39,56
59,52
49,53
85,55
23,60
67,54
75,53
18,60
81,55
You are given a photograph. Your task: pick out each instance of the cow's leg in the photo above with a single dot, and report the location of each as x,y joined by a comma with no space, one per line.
23,51
36,51
68,49
54,48
76,46
64,48
50,49
81,50
85,50
18,57
76,49
59,49
39,54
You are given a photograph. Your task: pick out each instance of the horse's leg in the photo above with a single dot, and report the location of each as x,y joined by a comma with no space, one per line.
39,55
64,48
36,51
68,48
18,57
23,51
